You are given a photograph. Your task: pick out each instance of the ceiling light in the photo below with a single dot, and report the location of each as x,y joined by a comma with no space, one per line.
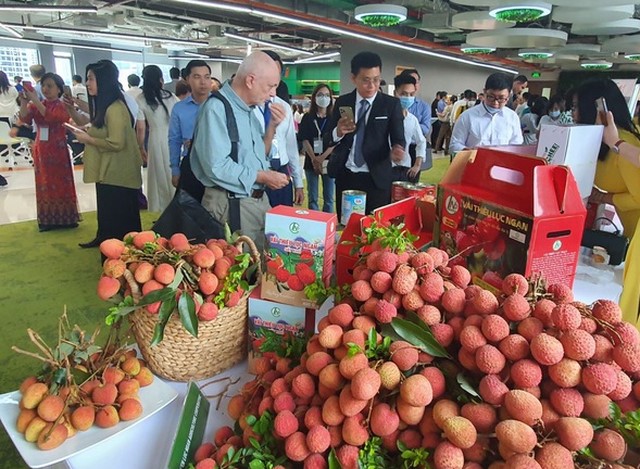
520,12
170,40
30,8
10,30
632,57
519,38
275,45
474,50
318,57
78,46
533,54
380,15
317,25
596,65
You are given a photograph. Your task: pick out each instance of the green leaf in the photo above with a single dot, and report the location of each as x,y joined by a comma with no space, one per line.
166,310
60,376
466,385
164,294
251,420
387,331
256,464
419,337
187,310
333,460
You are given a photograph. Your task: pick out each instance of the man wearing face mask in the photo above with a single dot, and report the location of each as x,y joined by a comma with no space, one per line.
403,170
491,122
556,108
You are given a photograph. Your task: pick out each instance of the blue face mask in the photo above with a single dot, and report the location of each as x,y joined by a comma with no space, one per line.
491,110
554,114
407,101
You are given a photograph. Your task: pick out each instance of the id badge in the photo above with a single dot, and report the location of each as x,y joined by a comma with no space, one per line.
317,145
44,134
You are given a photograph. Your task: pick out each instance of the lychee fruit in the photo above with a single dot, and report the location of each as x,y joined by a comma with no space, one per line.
546,349
566,317
599,378
607,310
574,433
404,279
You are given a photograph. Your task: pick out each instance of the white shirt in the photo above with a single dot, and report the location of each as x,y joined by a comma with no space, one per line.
412,135
454,110
350,165
476,127
287,144
134,92
8,104
546,120
79,91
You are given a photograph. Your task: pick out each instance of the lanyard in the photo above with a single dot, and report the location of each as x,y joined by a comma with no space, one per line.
320,129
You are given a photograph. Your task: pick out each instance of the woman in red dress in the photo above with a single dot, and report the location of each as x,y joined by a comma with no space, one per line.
57,204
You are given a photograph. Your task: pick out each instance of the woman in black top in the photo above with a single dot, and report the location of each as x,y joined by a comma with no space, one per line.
310,133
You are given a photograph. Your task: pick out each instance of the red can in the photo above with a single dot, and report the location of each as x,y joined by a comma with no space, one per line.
398,190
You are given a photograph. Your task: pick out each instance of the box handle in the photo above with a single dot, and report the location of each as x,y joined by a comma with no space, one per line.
559,234
507,175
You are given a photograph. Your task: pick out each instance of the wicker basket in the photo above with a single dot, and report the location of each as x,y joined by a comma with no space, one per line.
220,344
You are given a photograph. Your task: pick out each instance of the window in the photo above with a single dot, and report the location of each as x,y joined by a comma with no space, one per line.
62,62
16,61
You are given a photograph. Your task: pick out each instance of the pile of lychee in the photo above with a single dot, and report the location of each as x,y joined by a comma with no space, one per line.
542,366
153,261
50,418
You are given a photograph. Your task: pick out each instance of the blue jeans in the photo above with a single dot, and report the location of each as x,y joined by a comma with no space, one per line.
328,191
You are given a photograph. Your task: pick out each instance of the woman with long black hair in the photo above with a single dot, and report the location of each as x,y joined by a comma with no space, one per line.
155,105
111,157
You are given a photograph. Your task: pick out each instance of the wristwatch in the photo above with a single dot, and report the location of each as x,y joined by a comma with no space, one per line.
616,146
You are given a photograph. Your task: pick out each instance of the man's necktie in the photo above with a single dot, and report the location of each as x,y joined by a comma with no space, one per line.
267,114
358,156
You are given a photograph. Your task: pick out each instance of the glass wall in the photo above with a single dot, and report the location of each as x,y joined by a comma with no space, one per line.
16,61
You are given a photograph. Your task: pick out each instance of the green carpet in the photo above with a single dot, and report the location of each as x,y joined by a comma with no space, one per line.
43,272
40,274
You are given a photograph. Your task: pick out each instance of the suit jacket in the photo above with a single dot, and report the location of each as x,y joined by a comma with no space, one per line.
384,128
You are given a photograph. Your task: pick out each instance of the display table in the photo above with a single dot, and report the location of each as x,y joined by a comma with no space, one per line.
148,444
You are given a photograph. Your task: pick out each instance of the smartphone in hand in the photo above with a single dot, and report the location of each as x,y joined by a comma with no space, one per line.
19,88
72,128
27,85
601,107
347,111
66,91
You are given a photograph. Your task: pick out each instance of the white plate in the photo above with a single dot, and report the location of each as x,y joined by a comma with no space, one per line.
153,397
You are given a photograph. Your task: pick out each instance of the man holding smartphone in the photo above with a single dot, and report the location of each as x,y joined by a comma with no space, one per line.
367,140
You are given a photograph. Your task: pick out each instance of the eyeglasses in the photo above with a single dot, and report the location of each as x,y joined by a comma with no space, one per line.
324,95
496,99
370,81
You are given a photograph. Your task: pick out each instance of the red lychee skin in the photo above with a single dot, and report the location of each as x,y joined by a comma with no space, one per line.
546,349
443,333
361,290
566,373
625,333
530,327
607,310
596,406
404,279
515,283
381,281
516,307
526,373
542,310
492,389
305,273
553,455
403,354
494,328
608,445
454,300
440,257
387,261
361,272
589,325
384,421
485,302
599,378
282,275
489,359
423,263
448,456
294,283
385,312
412,301
561,293
285,424
627,356
604,349
574,433
623,388
471,338
318,439
341,314
348,456
578,344
514,347
568,402
566,317
296,447
482,415
432,287
436,379
460,276
303,386
365,384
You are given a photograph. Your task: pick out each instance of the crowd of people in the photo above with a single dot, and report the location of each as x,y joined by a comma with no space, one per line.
236,147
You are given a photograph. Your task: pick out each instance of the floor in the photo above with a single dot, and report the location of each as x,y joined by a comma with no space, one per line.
18,197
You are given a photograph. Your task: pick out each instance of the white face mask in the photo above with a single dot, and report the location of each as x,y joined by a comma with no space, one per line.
554,114
323,101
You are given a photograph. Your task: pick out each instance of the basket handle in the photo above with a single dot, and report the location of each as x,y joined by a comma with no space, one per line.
253,251
133,285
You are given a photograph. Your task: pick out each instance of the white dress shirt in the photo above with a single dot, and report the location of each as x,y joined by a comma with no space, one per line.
477,127
412,135
287,144
351,165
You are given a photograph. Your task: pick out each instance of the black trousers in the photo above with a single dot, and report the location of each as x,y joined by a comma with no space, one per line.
118,211
188,181
282,196
349,180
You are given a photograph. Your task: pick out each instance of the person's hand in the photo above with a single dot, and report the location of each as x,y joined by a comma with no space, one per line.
144,155
413,171
31,95
278,114
397,153
272,179
610,135
68,102
82,136
186,143
345,126
317,165
598,197
175,180
298,197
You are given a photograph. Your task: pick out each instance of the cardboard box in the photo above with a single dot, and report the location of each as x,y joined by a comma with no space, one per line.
299,254
268,318
405,211
575,146
511,213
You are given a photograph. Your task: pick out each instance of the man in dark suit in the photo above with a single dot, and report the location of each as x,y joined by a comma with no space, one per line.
367,129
